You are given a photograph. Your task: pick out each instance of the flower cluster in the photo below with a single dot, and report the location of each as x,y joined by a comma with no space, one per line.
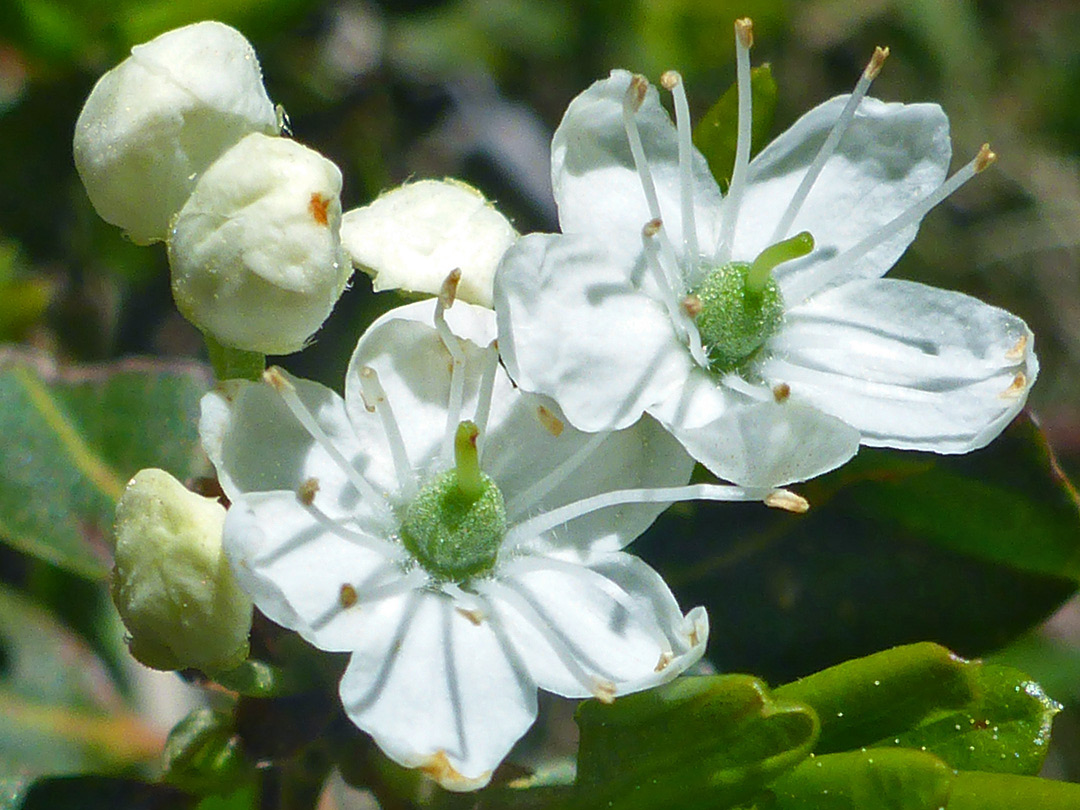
457,521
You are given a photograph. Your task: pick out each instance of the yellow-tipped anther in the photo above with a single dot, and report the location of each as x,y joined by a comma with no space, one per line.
744,31
276,380
788,501
985,157
670,79
448,292
873,67
652,228
635,93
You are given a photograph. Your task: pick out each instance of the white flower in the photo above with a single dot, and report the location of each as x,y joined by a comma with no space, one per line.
613,319
454,535
412,236
172,585
255,253
154,123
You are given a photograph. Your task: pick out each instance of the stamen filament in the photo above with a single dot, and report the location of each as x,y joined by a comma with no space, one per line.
673,82
526,499
635,94
470,482
799,245
375,397
744,39
680,318
484,395
831,142
530,528
274,377
561,646
457,358
378,545
410,582
917,211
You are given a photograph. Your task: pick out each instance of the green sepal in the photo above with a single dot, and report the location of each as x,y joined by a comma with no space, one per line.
203,754
234,364
716,133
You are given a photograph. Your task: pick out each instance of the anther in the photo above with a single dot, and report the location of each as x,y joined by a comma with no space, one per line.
781,392
1016,388
788,501
984,158
665,659
670,79
348,596
474,616
692,306
873,68
744,30
604,691
307,490
276,380
448,291
1017,352
552,424
652,228
635,93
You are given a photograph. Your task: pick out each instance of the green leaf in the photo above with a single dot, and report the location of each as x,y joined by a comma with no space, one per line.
697,742
1006,730
716,133
74,438
103,793
888,554
887,693
59,711
881,779
992,791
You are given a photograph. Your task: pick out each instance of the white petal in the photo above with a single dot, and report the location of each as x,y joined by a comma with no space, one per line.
908,365
891,156
438,691
770,444
410,238
596,184
414,368
257,444
612,628
573,325
641,456
295,568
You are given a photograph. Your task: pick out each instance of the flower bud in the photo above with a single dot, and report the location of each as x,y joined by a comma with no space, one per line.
154,123
172,584
255,252
411,237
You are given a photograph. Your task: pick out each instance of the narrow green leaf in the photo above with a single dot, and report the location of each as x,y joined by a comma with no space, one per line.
880,779
716,133
697,742
993,791
74,438
1006,729
864,700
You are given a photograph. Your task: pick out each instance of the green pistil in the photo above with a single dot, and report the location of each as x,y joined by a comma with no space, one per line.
738,306
796,247
456,523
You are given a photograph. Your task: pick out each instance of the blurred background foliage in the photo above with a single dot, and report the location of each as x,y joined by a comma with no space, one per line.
473,89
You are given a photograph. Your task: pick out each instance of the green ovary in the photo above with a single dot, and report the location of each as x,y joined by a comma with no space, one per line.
452,535
735,321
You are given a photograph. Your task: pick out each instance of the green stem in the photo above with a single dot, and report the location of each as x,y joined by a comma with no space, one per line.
231,364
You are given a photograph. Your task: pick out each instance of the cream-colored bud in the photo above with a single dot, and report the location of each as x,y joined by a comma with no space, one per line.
255,252
172,584
154,123
410,238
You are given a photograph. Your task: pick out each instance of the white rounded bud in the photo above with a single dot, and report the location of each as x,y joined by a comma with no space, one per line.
410,238
172,584
255,252
154,123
